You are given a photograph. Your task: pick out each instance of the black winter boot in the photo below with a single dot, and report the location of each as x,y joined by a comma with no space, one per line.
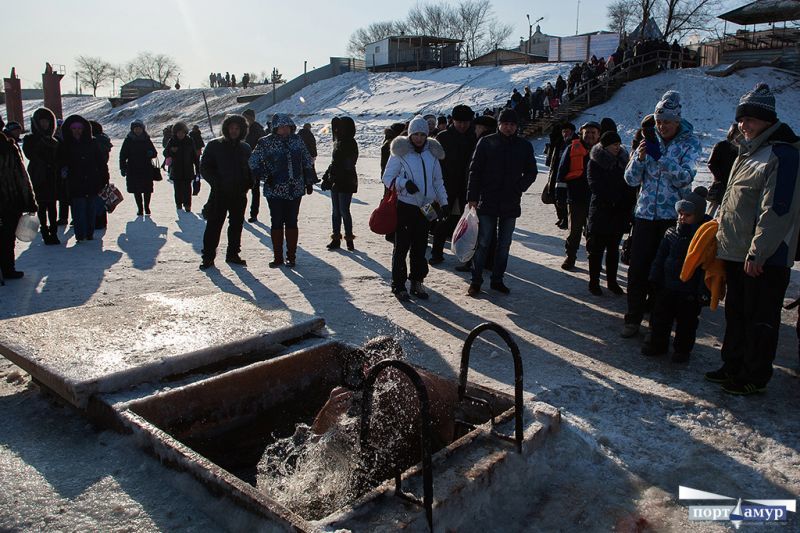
595,263
349,240
336,241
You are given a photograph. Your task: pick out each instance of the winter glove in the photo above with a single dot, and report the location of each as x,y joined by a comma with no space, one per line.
411,187
309,188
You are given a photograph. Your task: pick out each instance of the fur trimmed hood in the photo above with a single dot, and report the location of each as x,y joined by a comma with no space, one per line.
402,146
603,157
41,113
237,119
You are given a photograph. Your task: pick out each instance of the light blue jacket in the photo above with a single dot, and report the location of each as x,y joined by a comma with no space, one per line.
667,180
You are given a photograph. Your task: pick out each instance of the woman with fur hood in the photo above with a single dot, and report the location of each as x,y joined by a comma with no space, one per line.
414,170
84,164
41,149
135,163
610,209
285,166
342,180
185,165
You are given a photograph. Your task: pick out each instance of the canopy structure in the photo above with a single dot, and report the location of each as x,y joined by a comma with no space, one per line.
763,12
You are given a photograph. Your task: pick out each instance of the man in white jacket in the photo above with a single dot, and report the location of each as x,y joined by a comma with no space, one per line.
414,171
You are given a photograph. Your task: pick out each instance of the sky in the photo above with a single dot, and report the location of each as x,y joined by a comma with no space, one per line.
232,35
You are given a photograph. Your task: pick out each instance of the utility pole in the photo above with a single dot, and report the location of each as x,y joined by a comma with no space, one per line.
305,73
76,83
577,17
530,34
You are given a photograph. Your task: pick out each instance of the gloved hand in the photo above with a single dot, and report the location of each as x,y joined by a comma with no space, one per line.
411,187
444,211
309,188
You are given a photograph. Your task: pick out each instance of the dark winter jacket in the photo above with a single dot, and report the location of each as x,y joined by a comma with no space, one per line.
311,143
254,132
458,150
136,161
342,170
105,145
16,191
185,163
224,162
577,186
553,158
720,164
612,201
283,163
502,168
197,137
41,149
84,160
665,272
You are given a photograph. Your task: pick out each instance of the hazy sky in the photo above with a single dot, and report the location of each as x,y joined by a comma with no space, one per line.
227,35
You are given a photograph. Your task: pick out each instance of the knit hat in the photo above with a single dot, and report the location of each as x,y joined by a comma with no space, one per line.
590,124
569,126
282,119
758,103
418,125
508,115
137,122
12,126
609,138
180,126
695,202
486,121
463,113
669,107
607,124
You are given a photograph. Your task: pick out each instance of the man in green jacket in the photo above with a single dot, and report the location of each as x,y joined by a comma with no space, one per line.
759,221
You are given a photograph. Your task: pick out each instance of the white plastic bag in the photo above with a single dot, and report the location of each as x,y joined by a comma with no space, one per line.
465,236
27,227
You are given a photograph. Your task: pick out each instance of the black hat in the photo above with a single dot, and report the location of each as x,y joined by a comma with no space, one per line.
607,124
569,126
758,103
590,124
508,115
249,113
463,113
609,138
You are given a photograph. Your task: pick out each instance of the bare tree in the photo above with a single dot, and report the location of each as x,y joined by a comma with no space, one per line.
473,14
374,32
93,71
497,34
439,20
684,16
159,67
623,16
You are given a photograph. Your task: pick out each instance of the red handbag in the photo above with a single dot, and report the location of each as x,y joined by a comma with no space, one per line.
383,219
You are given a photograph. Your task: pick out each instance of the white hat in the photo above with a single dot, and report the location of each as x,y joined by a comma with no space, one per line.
418,125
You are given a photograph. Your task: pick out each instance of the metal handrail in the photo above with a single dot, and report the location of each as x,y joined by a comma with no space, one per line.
515,354
424,423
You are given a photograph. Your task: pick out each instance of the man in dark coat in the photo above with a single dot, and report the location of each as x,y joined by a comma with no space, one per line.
459,143
254,132
41,149
720,164
16,197
503,167
561,136
572,183
224,166
83,161
185,165
105,145
197,137
308,139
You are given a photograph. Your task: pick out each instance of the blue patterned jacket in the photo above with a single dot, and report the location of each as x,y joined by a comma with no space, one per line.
284,165
667,180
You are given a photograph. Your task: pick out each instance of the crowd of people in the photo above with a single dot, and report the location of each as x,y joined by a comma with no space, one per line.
687,246
216,79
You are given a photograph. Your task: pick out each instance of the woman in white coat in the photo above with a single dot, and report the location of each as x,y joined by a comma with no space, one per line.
413,169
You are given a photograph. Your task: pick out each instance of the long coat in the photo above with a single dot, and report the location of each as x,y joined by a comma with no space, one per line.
135,162
83,160
41,148
224,164
342,170
612,201
185,163
458,150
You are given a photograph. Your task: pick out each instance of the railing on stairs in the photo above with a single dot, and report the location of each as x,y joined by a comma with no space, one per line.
598,90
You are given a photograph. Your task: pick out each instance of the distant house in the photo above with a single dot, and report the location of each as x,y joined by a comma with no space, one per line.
502,56
140,87
583,47
412,52
537,45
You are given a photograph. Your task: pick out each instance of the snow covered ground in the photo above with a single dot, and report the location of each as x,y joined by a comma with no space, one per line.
635,428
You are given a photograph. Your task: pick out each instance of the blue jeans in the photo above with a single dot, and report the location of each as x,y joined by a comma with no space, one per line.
341,211
489,226
83,213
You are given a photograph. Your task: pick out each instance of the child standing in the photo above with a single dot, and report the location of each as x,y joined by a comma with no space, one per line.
677,301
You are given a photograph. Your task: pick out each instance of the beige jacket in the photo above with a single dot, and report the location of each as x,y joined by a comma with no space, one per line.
759,217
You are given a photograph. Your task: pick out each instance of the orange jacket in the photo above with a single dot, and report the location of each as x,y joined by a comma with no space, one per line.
703,253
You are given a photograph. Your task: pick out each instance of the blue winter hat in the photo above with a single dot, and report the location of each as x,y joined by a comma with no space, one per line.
282,119
758,103
669,107
695,202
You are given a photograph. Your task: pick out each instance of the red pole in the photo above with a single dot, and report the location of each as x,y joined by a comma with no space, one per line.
51,82
13,99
